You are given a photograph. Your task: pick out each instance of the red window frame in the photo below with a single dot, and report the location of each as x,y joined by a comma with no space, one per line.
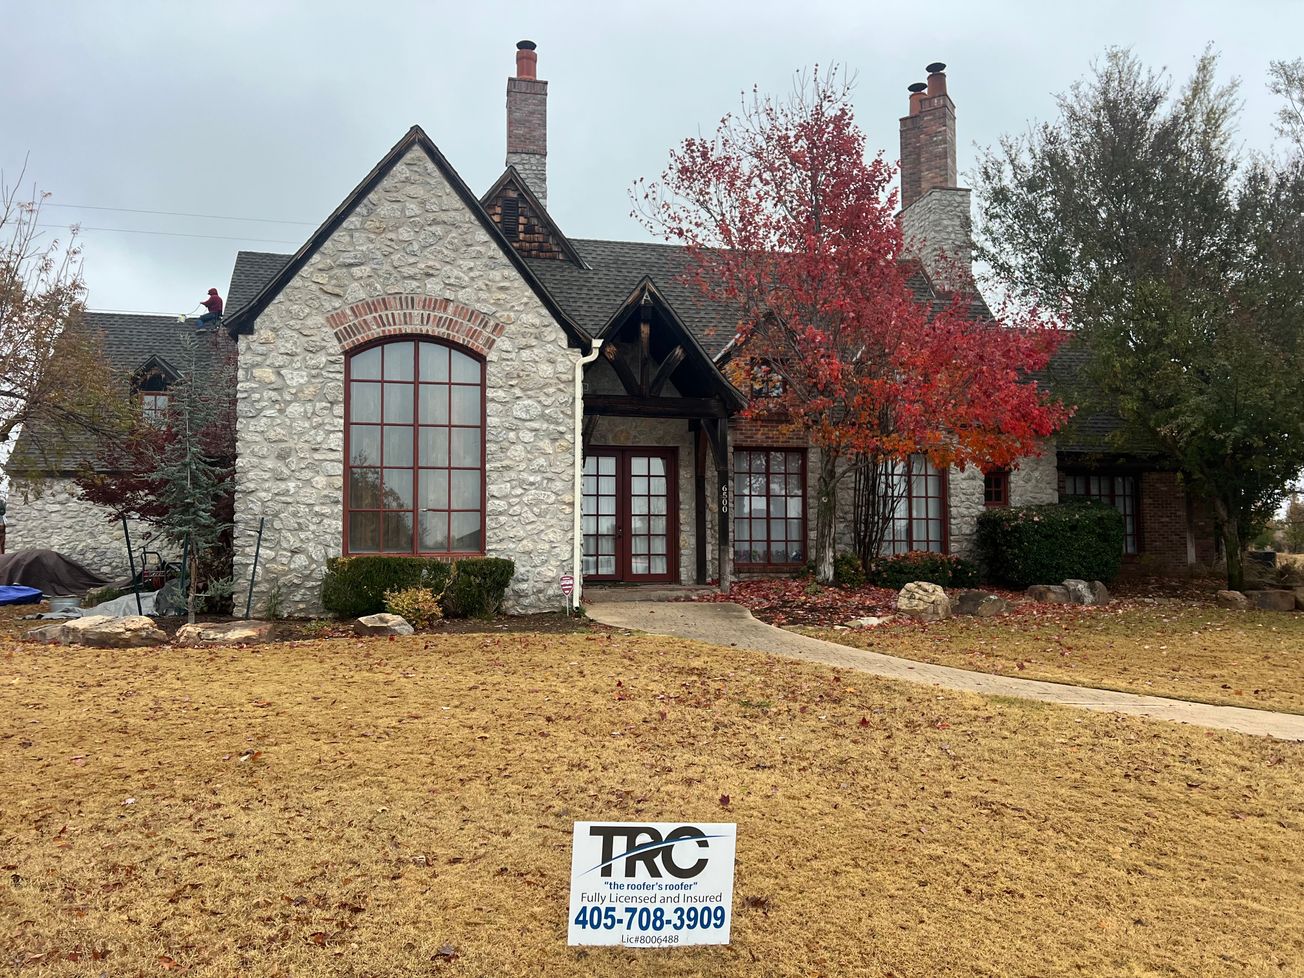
996,488
415,469
893,541
742,506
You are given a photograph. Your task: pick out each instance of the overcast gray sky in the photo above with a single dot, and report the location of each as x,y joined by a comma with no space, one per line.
276,109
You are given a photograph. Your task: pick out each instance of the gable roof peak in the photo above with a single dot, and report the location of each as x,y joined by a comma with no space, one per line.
242,320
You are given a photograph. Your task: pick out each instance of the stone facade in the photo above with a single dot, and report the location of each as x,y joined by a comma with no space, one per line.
938,228
57,519
1035,481
410,259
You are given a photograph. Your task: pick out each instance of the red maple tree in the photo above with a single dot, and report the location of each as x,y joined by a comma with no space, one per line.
788,221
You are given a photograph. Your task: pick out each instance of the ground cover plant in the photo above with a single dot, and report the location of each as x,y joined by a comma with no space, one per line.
404,807
1187,650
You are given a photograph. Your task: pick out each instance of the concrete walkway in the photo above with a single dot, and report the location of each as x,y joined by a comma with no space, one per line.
733,625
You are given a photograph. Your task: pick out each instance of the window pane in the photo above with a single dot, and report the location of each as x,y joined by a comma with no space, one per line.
466,447
365,365
364,532
398,403
466,489
434,532
397,533
398,489
466,532
433,488
434,362
465,370
398,361
434,404
364,488
466,405
398,445
364,402
364,444
434,446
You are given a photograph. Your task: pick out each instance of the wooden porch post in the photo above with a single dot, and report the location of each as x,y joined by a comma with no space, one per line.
717,430
699,496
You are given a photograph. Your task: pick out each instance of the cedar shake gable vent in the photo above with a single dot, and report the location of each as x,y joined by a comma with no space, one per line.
527,121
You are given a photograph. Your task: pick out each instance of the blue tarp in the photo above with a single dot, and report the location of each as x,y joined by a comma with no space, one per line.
16,594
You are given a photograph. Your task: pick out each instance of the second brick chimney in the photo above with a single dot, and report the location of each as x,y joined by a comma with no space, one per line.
527,121
934,209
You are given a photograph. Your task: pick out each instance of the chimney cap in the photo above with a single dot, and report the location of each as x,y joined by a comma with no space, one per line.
935,67
530,46
917,87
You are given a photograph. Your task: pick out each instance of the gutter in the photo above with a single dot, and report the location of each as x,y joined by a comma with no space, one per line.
578,539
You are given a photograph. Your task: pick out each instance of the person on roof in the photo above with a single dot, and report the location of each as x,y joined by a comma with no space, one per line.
214,306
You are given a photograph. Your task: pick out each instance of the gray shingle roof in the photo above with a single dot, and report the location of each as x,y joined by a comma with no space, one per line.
1095,429
130,341
253,270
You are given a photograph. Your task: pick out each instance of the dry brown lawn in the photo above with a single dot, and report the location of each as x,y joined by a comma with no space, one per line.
396,808
1193,652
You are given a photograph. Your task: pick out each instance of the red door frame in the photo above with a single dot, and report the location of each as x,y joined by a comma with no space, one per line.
623,552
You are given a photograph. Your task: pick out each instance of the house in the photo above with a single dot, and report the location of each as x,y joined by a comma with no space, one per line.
436,372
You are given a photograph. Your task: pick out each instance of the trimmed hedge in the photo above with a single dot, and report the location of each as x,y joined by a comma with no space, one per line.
847,571
946,570
356,586
1046,544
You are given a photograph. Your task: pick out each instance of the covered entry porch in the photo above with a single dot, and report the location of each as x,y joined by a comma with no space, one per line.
656,453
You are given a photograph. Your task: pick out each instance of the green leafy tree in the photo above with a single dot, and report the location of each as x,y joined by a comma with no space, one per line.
1292,524
1179,261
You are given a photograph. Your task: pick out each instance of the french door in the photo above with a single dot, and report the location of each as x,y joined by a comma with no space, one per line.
630,515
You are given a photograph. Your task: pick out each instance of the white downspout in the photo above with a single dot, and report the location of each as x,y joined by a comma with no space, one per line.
578,538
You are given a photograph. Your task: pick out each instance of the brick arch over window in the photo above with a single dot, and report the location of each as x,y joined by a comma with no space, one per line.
414,315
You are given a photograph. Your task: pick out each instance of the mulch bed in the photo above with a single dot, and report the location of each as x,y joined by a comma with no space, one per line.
804,603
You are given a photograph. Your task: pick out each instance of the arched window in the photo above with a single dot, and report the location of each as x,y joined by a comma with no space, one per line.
414,482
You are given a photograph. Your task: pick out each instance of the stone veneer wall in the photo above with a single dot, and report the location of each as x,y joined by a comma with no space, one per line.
1036,480
57,519
938,228
410,259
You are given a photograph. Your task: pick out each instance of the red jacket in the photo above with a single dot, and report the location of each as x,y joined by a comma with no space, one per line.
214,304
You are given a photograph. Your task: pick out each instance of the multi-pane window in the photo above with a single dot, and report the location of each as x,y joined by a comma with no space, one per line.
415,481
1118,490
769,507
919,514
154,406
996,487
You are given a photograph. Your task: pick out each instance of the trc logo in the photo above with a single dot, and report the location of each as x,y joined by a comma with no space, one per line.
644,844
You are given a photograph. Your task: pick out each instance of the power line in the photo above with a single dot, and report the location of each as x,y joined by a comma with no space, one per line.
211,217
170,234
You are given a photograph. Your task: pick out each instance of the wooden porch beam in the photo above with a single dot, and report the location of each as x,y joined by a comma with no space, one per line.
627,378
668,366
655,407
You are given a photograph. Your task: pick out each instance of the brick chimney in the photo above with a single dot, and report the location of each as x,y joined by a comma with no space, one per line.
934,209
527,121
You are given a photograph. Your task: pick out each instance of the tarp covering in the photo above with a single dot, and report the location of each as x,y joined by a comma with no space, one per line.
48,571
13,594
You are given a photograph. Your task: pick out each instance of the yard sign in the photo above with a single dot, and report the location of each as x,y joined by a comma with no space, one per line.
655,884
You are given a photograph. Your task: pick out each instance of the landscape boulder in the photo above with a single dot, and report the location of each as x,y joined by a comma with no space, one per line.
1299,599
51,633
920,599
1100,593
101,631
382,624
1273,600
868,622
979,603
1048,594
226,633
1231,600
1079,591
